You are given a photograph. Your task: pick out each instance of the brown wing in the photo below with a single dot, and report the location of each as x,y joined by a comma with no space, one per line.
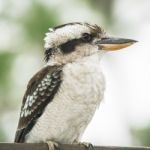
40,91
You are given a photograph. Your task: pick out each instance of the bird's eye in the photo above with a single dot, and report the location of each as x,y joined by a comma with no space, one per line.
86,37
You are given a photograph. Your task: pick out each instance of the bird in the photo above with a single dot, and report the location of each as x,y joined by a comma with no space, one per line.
62,97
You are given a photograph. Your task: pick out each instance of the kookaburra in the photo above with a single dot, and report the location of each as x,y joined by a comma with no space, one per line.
62,97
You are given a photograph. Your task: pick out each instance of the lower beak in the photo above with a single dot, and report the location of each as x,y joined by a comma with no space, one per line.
112,44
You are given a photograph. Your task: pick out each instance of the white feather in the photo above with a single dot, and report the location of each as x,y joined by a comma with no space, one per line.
67,116
62,35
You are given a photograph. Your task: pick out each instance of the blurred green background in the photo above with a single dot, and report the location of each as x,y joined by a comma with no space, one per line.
23,25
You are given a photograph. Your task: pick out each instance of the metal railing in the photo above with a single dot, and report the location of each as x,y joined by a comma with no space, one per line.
44,146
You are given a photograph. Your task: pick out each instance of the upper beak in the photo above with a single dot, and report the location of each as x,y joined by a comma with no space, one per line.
112,44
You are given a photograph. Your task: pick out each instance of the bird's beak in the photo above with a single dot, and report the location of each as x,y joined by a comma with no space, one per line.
112,44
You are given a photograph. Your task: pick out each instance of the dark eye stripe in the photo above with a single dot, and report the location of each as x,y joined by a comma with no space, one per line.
70,45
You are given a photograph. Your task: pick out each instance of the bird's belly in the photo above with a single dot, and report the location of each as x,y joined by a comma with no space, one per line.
67,116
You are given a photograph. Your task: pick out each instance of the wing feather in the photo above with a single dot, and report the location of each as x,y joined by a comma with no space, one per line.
40,91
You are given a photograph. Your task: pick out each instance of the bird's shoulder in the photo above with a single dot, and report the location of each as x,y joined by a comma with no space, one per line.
41,79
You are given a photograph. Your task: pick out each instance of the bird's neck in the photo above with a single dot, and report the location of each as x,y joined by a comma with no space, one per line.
92,59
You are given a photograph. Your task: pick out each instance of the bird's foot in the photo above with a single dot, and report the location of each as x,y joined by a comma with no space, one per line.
53,145
87,145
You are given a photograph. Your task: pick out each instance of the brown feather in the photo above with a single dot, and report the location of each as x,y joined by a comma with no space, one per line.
45,90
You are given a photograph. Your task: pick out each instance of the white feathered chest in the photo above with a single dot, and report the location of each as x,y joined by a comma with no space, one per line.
67,116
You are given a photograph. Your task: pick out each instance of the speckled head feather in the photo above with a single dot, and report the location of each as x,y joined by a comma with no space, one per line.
67,36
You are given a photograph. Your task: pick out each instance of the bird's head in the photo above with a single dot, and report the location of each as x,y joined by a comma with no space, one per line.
73,41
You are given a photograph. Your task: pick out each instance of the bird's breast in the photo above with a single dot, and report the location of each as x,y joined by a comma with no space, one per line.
66,117
83,83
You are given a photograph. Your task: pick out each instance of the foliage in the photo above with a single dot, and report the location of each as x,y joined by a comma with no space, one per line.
141,135
6,62
36,22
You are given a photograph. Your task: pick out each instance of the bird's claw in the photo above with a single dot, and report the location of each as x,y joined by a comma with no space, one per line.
53,145
87,145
